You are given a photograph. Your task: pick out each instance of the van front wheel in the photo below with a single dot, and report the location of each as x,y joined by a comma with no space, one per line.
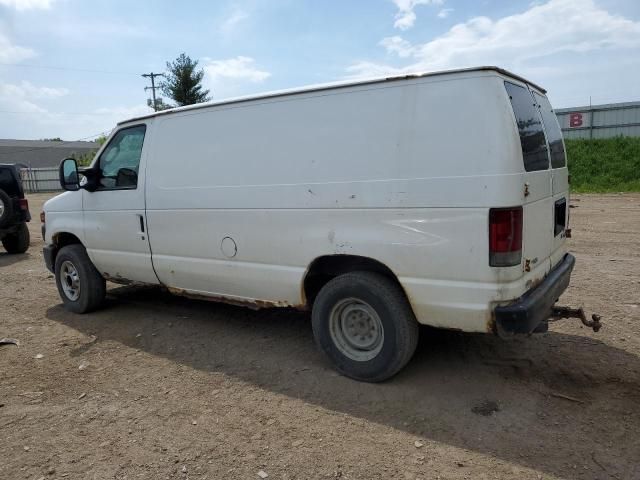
79,283
364,323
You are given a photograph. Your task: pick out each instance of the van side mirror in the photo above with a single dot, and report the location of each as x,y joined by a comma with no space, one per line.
68,174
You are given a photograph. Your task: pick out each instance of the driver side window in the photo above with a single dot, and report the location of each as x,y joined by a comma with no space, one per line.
120,160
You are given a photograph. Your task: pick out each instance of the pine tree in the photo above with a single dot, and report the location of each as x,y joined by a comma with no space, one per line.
160,105
183,82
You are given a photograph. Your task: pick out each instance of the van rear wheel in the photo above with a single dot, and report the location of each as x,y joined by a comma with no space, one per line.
80,285
365,325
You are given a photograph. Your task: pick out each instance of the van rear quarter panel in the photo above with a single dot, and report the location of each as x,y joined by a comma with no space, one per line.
403,173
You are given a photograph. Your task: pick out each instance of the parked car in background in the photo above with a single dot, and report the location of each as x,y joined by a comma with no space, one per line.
436,199
14,211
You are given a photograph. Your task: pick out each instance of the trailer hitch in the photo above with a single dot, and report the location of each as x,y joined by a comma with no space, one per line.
558,313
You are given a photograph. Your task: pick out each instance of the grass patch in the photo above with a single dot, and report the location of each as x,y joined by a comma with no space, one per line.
604,164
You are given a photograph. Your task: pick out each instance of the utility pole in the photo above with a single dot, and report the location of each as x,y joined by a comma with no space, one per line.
153,87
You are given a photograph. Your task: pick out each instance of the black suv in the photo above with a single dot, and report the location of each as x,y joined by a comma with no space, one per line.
14,211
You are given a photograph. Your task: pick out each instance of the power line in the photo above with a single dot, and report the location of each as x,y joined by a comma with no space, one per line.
105,132
73,69
153,87
55,113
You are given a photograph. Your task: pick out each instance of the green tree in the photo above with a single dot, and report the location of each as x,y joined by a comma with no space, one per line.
160,105
86,158
183,82
101,140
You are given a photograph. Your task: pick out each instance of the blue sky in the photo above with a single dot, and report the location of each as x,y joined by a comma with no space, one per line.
577,49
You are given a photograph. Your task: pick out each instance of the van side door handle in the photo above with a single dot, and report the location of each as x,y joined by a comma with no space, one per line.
141,232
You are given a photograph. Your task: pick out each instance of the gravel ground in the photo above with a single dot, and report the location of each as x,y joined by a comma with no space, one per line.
155,386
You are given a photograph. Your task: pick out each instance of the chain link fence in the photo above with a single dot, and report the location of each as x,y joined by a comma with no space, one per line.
36,180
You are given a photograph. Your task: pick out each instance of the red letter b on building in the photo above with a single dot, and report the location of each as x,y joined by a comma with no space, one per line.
575,120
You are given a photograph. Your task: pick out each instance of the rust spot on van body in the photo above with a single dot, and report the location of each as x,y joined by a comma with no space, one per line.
252,304
534,282
303,298
119,279
491,321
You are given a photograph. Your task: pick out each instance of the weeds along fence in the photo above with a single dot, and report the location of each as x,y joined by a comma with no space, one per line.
36,180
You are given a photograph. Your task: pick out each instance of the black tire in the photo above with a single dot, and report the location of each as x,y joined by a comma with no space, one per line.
394,314
7,209
91,286
18,241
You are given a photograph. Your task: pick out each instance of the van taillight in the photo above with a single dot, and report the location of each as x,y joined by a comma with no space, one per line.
505,237
24,204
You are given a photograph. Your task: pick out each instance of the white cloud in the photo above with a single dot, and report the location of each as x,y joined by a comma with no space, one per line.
406,17
121,113
26,116
19,100
555,27
96,30
231,22
27,4
405,20
10,53
238,68
10,102
397,45
365,69
445,12
27,90
232,77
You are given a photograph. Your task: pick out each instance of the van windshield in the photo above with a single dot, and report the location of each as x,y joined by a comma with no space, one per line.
532,140
554,134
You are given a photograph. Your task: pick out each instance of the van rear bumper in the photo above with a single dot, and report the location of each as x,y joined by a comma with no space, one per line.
535,306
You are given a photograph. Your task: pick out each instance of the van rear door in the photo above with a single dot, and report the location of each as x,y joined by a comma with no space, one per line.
559,176
537,210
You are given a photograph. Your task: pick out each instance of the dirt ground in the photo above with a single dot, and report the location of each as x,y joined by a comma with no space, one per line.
155,386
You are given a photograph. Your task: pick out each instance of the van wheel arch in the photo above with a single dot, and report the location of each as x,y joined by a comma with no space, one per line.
325,268
62,239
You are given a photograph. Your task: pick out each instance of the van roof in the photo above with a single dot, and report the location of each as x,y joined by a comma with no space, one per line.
331,86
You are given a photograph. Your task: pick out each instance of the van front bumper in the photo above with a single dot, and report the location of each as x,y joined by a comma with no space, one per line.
531,312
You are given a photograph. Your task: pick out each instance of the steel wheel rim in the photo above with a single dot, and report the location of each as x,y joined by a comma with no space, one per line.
1,208
356,329
70,280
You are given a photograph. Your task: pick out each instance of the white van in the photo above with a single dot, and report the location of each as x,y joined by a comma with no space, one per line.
437,199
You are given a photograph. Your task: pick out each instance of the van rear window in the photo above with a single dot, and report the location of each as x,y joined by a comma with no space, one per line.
554,134
532,141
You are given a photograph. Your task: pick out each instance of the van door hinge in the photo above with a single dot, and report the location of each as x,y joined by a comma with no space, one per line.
526,189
